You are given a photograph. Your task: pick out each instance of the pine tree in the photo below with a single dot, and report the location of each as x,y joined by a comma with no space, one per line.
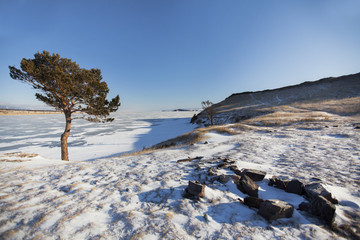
67,87
209,110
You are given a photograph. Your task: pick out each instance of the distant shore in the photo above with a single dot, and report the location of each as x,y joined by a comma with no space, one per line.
11,112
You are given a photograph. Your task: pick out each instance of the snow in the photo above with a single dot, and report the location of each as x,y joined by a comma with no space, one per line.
140,196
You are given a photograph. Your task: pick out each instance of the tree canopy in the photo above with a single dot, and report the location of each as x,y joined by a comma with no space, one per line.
65,86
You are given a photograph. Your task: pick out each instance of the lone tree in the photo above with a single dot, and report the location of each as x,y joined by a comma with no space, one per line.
209,110
67,87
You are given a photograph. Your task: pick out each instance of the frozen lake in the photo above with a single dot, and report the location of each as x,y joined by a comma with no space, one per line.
88,140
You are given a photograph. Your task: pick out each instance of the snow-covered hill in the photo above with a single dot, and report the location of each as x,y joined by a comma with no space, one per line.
340,95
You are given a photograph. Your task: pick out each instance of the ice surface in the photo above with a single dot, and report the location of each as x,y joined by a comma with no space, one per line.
128,132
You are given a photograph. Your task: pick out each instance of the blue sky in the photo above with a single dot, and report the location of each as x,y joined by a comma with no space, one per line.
166,54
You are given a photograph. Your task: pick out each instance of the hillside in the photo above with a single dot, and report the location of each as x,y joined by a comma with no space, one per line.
340,95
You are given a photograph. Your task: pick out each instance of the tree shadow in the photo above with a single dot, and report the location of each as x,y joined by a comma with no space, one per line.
162,195
162,130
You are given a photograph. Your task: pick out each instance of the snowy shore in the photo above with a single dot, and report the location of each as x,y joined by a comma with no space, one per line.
140,197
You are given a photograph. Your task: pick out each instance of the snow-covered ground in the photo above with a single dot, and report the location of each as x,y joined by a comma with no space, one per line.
140,197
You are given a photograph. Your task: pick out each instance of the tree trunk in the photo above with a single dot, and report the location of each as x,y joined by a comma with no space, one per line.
64,138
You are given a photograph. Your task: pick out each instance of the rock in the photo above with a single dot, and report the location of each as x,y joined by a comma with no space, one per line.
222,165
194,190
236,178
235,169
65,189
278,183
255,175
189,159
317,189
226,160
304,206
295,186
223,178
211,171
248,186
253,201
275,209
323,208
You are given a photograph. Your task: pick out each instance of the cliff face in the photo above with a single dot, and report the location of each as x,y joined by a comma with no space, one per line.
321,95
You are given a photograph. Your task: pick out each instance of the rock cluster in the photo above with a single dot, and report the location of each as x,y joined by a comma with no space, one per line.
320,201
320,204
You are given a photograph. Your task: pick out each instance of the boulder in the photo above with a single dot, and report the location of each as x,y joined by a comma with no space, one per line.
278,183
226,160
194,190
275,209
235,169
223,178
323,208
253,201
223,165
295,186
317,189
248,186
255,175
304,206
211,171
236,179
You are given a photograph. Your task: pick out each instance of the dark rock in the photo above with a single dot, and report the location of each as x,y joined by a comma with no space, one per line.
248,186
195,189
212,171
222,165
253,201
278,183
189,159
275,209
317,189
65,189
295,186
226,160
323,208
236,178
206,142
235,169
223,178
304,206
255,175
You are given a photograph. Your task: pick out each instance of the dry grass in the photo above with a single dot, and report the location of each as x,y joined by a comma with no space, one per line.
21,155
6,112
346,106
24,157
12,160
287,118
193,137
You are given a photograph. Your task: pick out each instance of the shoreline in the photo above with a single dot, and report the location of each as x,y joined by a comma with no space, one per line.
14,112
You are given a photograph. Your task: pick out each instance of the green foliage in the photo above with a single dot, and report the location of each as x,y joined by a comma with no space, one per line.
66,86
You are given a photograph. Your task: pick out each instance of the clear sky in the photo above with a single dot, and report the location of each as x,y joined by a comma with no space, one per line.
166,54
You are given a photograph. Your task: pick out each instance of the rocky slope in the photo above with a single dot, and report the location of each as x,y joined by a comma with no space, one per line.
340,95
